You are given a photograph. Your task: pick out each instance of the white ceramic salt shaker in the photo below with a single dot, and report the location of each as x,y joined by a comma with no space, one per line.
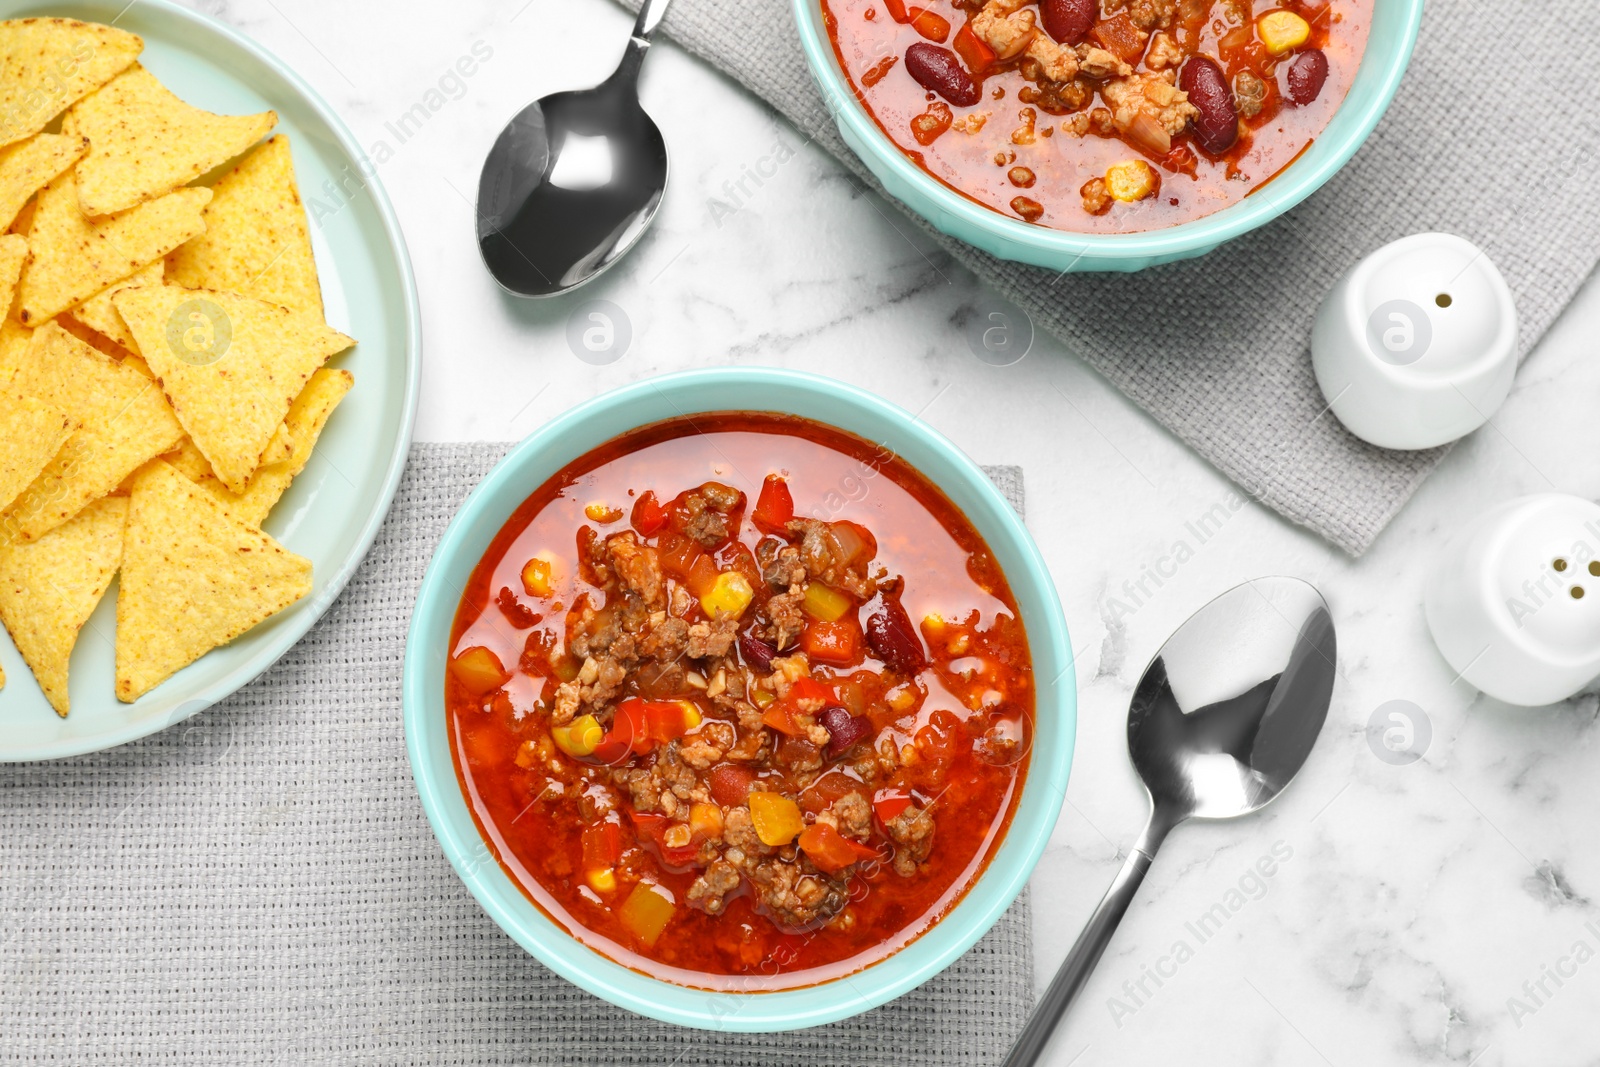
1514,602
1417,345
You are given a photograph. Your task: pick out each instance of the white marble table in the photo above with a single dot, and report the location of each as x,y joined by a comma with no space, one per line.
1430,912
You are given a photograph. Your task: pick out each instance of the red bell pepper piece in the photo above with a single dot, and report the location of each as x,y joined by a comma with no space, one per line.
977,55
781,714
887,804
648,515
774,507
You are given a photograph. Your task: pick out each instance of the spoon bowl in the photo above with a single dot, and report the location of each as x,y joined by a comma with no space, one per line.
573,181
1222,719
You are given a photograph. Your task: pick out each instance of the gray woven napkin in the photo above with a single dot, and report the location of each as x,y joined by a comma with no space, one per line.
1494,147
259,885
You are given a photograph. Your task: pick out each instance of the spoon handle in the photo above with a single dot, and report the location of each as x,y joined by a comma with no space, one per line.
651,13
1080,962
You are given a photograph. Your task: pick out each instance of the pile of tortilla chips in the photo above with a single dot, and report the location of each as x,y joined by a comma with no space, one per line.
162,354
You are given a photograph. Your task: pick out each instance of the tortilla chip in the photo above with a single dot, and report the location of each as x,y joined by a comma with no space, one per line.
193,578
46,65
31,433
124,421
49,588
27,167
98,314
256,240
144,142
14,342
13,254
74,258
189,461
307,416
230,364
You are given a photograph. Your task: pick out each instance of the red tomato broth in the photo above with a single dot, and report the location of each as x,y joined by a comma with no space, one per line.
947,572
870,45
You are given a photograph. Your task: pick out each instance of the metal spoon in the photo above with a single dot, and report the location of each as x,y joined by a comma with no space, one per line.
1224,716
574,180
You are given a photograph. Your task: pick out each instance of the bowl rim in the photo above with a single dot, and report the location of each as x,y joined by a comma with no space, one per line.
1289,187
481,516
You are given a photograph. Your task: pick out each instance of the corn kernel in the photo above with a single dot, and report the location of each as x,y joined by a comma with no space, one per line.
1130,180
603,880
729,595
691,715
579,737
1282,30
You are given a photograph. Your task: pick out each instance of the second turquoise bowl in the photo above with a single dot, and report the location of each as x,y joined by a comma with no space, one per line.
1389,44
739,389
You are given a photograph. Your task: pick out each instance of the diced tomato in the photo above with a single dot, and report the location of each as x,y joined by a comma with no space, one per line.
678,554
1120,35
781,715
821,794
702,576
830,850
774,507
667,720
887,804
836,643
897,10
730,784
654,829
648,515
975,53
602,845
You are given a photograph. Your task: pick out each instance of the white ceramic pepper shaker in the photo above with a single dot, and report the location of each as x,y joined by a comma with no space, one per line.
1514,602
1417,344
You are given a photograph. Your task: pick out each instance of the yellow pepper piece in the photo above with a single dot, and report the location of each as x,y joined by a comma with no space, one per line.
1130,180
824,603
691,715
479,670
536,574
579,737
647,911
729,595
1281,31
777,818
603,880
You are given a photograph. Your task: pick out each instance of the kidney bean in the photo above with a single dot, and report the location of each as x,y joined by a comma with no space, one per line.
1217,126
938,70
757,653
844,729
893,639
1306,75
1069,21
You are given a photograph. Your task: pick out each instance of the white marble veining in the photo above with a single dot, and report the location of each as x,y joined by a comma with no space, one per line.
1437,912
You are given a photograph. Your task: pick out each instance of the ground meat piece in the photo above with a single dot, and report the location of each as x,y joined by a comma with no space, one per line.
712,638
700,753
797,897
1164,52
1249,94
827,562
666,639
566,705
912,833
854,814
994,747
1096,197
1149,110
787,619
723,498
1099,63
707,527
719,879
1005,28
643,787
780,564
1058,63
639,569
739,831
1149,14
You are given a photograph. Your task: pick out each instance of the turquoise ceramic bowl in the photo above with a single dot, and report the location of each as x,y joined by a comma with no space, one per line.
1389,44
740,389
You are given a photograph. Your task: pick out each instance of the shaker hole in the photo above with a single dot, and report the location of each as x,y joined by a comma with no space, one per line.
1577,592
1443,300
1559,564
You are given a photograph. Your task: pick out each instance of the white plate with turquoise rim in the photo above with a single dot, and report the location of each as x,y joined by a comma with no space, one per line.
333,510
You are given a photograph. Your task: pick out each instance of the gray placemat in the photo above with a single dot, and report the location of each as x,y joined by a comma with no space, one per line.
259,885
1477,143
